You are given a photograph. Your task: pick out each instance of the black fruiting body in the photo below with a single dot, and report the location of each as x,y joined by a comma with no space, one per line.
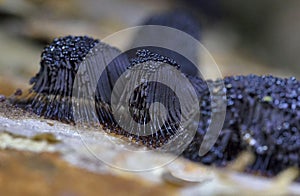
149,92
51,93
146,68
59,63
262,116
262,111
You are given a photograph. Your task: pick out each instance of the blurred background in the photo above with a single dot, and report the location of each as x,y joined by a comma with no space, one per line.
244,37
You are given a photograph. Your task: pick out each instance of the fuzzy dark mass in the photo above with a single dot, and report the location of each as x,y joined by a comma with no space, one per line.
262,111
262,116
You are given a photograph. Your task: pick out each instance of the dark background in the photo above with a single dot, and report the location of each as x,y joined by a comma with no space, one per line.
258,36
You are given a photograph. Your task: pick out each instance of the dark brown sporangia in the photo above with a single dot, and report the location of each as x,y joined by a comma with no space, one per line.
262,114
147,67
51,93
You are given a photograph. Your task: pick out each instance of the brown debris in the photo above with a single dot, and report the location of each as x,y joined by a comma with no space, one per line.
18,92
48,137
